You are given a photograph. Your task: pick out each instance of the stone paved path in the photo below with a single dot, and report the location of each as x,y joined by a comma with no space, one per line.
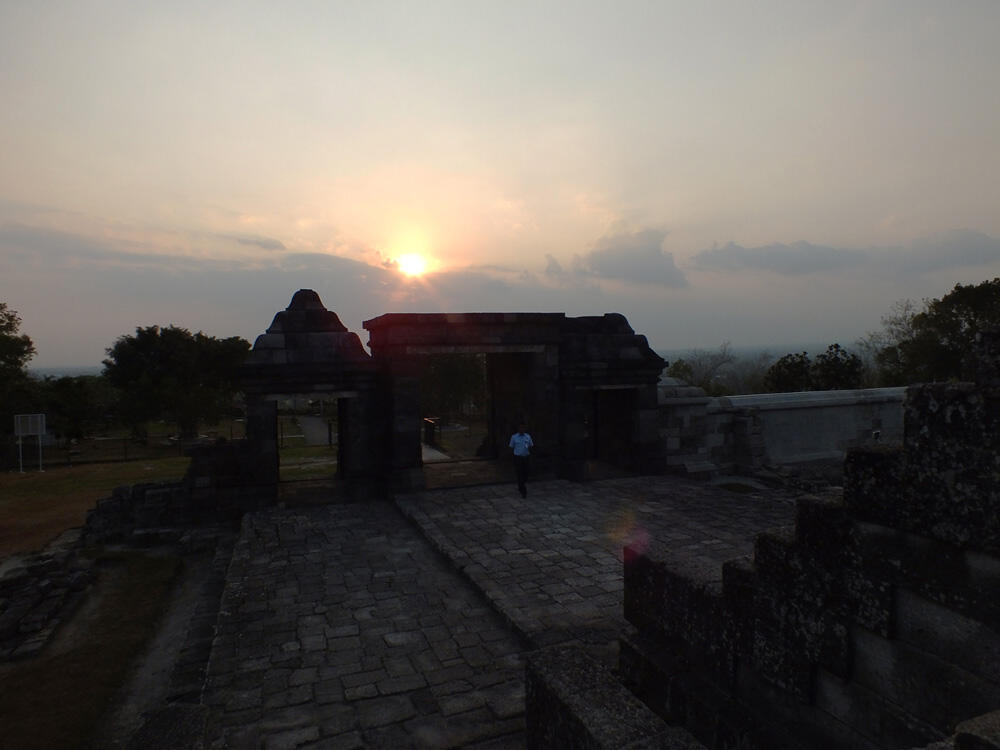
342,627
552,563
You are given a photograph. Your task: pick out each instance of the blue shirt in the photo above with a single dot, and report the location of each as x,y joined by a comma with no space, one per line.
521,443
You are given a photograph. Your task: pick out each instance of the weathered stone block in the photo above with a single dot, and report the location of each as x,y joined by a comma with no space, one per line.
573,701
980,733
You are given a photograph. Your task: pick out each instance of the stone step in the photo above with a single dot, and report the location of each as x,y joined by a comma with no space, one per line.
573,701
751,715
699,468
869,714
680,601
921,684
964,580
948,635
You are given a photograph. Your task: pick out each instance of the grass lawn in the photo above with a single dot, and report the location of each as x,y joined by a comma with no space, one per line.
35,507
299,462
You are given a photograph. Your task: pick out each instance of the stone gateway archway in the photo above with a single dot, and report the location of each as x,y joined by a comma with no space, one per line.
586,386
307,351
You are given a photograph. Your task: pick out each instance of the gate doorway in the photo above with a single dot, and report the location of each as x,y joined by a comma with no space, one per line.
613,428
454,408
313,435
470,404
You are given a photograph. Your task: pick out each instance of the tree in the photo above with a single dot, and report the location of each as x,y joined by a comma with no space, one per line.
932,344
681,369
704,369
747,373
15,350
17,392
836,369
790,373
879,352
450,383
168,373
76,406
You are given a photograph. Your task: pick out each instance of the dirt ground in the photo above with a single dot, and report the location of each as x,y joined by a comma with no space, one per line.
147,687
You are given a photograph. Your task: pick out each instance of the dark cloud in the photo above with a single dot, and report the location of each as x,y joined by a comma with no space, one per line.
28,239
635,257
53,247
955,249
265,243
793,260
554,269
950,250
323,262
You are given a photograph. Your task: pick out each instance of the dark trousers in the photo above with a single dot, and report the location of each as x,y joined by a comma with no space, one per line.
521,468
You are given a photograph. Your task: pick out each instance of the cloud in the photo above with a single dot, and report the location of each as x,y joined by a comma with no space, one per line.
554,269
945,251
955,249
791,260
265,243
635,257
29,240
51,248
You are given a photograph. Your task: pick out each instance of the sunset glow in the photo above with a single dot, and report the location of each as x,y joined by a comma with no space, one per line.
675,162
412,264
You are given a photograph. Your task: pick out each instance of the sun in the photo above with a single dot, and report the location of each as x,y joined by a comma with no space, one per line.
412,264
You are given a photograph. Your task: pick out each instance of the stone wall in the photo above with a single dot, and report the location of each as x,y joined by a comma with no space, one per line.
702,434
217,488
586,385
38,593
874,622
573,701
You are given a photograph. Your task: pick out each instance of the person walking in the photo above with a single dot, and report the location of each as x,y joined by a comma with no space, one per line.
521,444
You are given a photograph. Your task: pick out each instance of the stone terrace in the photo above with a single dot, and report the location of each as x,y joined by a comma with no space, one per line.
341,627
552,563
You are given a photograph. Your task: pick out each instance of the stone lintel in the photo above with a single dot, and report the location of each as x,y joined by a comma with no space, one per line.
475,348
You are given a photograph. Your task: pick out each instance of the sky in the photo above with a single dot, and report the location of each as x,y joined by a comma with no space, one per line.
763,173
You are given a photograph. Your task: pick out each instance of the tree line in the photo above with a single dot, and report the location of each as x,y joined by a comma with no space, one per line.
173,375
154,374
917,343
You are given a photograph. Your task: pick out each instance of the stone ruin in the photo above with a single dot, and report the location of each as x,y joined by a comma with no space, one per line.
874,622
586,385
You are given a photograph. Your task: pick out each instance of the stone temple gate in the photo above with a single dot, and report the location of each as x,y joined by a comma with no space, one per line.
586,386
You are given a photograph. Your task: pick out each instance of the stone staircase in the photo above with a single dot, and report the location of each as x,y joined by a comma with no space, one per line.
873,622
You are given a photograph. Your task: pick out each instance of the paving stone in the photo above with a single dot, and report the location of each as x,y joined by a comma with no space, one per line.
290,697
385,710
291,717
326,606
328,691
290,739
302,676
507,700
363,678
347,741
461,702
409,638
360,692
338,719
398,666
403,684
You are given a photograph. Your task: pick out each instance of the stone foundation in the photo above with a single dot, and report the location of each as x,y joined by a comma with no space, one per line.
573,701
743,434
215,490
37,594
873,622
